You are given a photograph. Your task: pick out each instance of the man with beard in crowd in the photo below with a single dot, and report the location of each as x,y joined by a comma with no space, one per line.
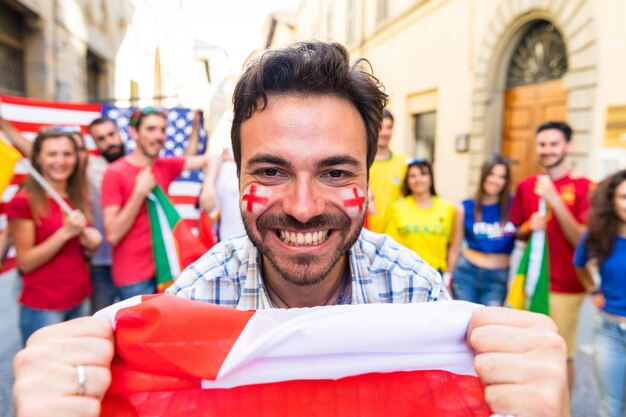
107,139
567,197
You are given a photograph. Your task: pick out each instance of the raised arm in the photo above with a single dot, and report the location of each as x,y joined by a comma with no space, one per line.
23,145
194,137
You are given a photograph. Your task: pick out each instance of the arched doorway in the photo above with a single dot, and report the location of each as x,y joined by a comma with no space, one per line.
534,93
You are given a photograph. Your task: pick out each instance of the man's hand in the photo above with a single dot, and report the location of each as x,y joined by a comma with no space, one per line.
207,200
90,238
46,382
544,187
74,223
521,360
537,221
598,300
145,182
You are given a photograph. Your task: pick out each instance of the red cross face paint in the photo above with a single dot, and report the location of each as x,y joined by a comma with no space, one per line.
301,154
354,201
255,198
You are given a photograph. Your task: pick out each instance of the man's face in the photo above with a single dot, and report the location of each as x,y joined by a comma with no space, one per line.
107,140
385,132
303,183
150,136
552,147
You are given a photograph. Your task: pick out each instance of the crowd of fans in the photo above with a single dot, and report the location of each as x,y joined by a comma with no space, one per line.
80,260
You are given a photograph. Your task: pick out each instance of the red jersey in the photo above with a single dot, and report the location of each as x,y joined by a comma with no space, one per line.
63,282
575,193
133,259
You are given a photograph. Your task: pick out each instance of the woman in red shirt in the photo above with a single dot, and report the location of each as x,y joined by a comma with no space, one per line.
51,248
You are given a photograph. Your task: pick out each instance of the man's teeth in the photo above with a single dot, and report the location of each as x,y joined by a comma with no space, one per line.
304,239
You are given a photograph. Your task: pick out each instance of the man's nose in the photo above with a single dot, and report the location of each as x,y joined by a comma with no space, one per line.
303,200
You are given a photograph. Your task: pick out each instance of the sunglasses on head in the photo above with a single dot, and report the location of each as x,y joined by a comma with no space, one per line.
138,113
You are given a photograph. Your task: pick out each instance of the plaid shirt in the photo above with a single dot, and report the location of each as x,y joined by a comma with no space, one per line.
382,271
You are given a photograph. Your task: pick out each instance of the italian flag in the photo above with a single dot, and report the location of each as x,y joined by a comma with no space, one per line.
173,245
531,285
176,357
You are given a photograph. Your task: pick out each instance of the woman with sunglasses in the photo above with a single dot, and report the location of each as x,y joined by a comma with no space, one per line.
422,221
51,247
605,245
481,272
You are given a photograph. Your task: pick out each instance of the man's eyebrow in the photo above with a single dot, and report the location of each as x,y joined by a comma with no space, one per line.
339,160
266,158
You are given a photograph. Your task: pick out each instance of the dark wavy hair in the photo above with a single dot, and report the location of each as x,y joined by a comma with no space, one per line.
558,125
425,167
603,224
76,186
307,69
505,195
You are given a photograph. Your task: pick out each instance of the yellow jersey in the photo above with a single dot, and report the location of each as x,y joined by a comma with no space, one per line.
428,232
386,178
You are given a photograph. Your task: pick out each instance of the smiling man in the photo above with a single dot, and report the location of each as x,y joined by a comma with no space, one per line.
567,196
125,187
304,135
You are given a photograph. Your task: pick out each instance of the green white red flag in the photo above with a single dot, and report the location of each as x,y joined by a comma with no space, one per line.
530,288
173,244
179,357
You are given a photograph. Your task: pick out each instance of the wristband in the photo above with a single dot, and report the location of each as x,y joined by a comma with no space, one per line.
595,291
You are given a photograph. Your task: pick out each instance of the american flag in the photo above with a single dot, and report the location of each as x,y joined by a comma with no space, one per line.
30,115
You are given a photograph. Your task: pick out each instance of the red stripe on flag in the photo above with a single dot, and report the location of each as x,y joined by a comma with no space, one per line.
18,178
420,393
50,104
183,199
34,127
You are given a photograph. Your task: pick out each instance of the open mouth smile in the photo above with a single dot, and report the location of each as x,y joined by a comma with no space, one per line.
292,238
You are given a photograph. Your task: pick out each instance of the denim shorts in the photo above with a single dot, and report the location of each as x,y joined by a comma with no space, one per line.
479,285
609,363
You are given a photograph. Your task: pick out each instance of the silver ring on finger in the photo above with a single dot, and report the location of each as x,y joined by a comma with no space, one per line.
81,377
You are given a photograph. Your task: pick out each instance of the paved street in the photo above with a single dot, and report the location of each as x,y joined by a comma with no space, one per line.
584,399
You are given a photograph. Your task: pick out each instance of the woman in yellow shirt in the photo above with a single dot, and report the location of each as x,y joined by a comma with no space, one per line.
422,221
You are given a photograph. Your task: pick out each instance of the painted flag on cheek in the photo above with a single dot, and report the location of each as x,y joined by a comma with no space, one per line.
180,357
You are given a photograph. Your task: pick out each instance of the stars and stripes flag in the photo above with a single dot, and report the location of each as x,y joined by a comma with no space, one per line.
179,357
30,115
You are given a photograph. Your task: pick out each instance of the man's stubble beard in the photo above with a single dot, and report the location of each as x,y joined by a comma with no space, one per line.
302,268
555,164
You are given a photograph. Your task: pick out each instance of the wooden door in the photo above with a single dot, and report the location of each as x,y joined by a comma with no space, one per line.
525,108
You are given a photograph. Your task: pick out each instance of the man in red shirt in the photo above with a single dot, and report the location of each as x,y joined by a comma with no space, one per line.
567,197
125,186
